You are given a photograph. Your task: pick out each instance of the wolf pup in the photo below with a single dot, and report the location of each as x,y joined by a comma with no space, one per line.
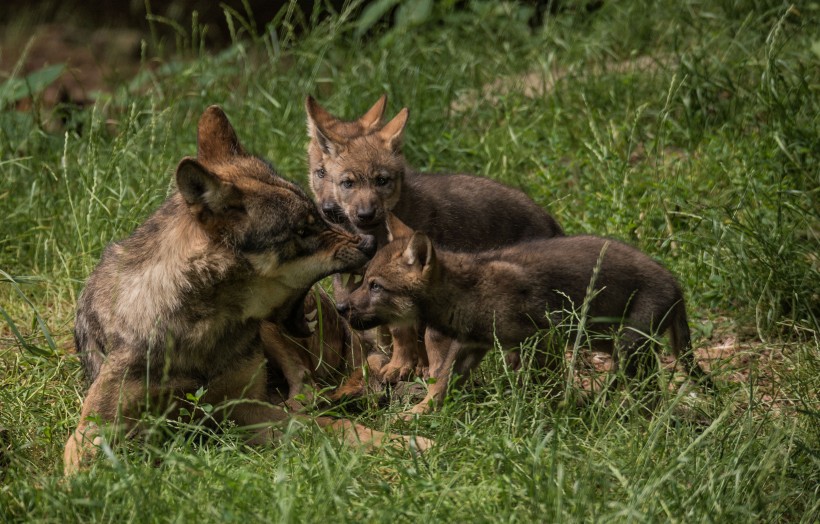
358,171
503,295
178,305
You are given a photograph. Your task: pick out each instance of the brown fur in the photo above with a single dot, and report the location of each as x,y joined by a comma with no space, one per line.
300,365
358,174
468,300
179,304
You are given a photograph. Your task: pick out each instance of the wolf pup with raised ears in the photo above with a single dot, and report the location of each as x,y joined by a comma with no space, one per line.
358,174
179,304
508,294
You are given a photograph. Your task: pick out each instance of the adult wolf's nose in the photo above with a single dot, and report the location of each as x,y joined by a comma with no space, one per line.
367,245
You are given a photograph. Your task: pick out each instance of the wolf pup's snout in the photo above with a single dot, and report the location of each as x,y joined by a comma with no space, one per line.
367,245
343,308
366,216
333,212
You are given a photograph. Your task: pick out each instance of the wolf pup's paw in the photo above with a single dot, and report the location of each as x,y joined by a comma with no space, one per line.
422,408
394,372
423,371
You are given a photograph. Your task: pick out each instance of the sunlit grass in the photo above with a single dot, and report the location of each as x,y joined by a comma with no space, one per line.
688,129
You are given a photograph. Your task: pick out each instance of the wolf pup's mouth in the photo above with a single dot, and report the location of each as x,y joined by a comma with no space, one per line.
362,323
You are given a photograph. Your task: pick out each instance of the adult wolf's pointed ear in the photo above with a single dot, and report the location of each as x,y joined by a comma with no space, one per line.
318,123
216,140
420,252
205,193
393,131
396,228
373,117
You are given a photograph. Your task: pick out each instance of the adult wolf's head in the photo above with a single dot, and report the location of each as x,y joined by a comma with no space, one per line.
356,167
267,222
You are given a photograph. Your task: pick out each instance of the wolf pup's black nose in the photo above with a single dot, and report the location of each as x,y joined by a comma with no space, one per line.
366,216
343,308
367,245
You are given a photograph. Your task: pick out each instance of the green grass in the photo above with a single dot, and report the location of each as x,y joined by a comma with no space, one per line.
707,159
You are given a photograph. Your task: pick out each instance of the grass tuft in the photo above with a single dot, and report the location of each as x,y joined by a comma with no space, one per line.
688,129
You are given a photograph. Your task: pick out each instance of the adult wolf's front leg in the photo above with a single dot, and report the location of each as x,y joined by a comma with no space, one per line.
107,399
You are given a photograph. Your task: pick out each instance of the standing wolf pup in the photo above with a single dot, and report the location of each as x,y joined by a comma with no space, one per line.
358,172
508,294
178,305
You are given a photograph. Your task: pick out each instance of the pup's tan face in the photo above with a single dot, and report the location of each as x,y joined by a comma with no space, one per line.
366,178
321,123
356,169
396,281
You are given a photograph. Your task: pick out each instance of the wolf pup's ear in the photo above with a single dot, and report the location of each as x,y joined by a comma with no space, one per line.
216,140
393,131
206,195
373,117
396,228
318,124
419,252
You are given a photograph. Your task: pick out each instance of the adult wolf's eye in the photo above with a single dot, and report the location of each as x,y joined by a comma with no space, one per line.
375,286
347,184
321,172
381,181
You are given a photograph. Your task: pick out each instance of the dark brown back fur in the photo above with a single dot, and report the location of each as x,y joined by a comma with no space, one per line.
504,294
362,176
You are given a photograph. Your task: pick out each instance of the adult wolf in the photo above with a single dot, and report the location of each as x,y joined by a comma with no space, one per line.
178,305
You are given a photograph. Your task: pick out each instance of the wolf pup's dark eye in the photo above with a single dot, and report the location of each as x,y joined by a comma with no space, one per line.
347,184
381,181
321,172
375,286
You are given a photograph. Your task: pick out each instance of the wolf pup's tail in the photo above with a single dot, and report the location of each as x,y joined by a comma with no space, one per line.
682,347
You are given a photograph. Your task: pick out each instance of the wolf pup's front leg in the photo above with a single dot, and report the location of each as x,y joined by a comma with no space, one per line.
443,353
407,358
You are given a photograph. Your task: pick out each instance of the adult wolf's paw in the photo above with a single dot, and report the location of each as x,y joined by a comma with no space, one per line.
80,449
420,444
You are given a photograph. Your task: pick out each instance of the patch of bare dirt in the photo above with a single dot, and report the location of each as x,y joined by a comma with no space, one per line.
732,357
96,60
537,84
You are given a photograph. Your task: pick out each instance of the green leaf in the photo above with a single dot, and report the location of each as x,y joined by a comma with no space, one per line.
815,48
16,89
31,348
413,13
372,14
38,319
